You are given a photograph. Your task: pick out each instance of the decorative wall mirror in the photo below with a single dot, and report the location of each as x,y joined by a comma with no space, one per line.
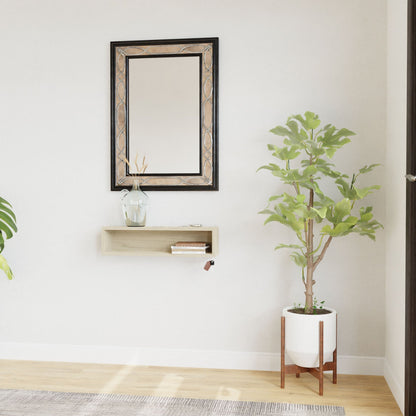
164,99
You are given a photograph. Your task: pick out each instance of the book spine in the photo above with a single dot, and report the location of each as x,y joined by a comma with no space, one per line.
190,244
188,252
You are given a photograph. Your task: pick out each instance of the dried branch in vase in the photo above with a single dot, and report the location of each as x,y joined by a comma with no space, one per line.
140,169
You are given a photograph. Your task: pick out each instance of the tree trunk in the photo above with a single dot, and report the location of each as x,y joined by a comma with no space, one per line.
309,253
309,270
309,260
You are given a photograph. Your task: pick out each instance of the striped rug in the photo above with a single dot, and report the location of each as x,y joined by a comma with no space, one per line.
48,403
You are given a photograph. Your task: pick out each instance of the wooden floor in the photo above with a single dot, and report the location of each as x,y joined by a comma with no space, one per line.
360,395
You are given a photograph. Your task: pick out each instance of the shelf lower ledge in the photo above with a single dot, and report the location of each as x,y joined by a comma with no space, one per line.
154,254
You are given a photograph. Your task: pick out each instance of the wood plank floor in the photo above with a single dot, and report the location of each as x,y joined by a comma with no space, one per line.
360,395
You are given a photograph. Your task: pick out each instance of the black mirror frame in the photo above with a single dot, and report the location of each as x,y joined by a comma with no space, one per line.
207,178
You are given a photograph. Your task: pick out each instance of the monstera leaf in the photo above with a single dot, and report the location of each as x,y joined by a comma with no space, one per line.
7,228
7,222
6,268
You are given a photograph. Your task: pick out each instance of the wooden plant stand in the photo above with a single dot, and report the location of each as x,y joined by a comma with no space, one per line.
317,372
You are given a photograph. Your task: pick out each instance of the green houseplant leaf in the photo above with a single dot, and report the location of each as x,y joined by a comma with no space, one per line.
7,219
6,268
7,229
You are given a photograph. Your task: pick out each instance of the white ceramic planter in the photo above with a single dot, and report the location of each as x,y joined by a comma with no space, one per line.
302,337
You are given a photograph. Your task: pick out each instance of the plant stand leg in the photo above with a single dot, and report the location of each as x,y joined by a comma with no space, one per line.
282,352
321,358
335,356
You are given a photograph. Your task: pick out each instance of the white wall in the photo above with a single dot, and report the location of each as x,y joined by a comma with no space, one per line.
395,231
277,57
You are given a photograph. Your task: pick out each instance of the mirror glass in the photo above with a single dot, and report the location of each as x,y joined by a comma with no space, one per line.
164,123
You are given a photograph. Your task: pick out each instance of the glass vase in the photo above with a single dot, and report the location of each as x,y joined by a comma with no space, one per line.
134,205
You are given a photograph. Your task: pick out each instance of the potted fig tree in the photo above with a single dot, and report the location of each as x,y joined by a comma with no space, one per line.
7,228
317,218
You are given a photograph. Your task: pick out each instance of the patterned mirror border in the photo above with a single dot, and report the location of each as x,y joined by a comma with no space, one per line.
207,179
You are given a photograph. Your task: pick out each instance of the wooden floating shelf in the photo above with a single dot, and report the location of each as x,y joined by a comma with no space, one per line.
155,241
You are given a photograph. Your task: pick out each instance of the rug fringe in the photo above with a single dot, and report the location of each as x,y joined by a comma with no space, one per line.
219,407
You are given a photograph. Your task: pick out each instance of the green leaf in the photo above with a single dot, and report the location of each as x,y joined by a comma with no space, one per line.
4,228
368,229
363,192
290,219
322,200
309,122
268,167
312,120
292,175
275,217
302,212
5,208
280,131
315,150
290,154
346,190
345,132
369,168
341,209
366,217
299,259
326,229
284,153
321,211
300,198
301,120
297,246
293,126
309,171
325,167
7,219
366,214
340,229
6,268
330,152
274,197
2,200
364,225
332,140
351,221
266,211
1,242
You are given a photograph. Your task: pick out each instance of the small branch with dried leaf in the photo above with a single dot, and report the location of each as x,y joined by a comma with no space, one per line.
139,169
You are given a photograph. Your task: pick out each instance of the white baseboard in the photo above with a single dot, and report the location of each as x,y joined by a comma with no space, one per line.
396,388
237,360
354,364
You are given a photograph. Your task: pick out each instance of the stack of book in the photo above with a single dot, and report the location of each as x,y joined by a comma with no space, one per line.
189,247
